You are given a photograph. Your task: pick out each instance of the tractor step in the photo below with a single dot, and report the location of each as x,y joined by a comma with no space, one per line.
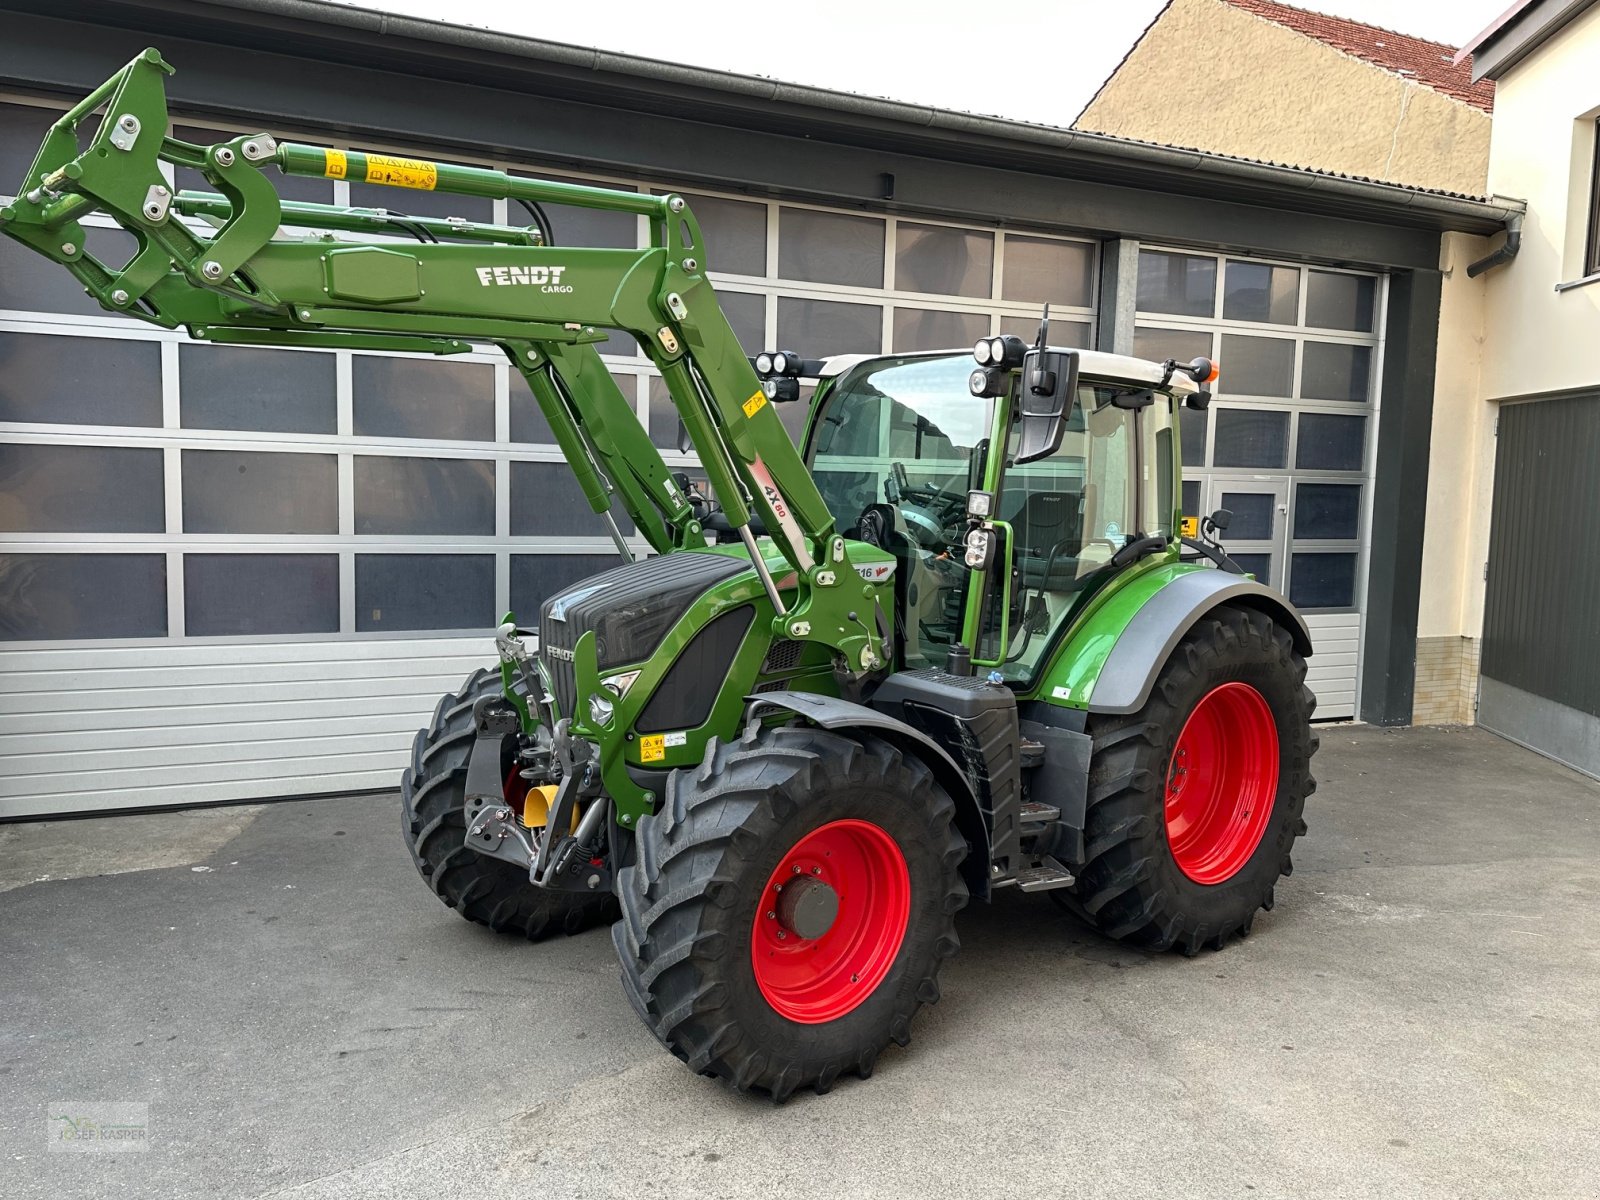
1034,816
1044,877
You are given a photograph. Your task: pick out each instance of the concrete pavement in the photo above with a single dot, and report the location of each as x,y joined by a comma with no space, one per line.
304,1019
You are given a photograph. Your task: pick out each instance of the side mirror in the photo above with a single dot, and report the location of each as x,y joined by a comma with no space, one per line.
1049,390
1221,519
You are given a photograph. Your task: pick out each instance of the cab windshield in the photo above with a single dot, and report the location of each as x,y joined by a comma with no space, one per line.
898,444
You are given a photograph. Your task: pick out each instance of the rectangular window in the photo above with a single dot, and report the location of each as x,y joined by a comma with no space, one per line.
266,391
418,398
1327,510
1259,565
735,233
1185,284
747,314
818,327
1328,442
825,247
1250,438
81,489
1191,497
594,227
424,496
237,595
546,501
1323,580
1256,366
1260,292
1334,371
424,591
1254,517
925,329
1047,271
44,597
260,491
942,260
537,577
1335,300
62,380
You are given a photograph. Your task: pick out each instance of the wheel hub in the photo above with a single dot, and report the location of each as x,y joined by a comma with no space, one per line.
807,907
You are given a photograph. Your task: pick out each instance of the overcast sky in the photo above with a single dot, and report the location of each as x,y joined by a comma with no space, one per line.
1042,64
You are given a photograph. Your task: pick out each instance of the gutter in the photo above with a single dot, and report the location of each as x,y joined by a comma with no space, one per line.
1506,252
441,40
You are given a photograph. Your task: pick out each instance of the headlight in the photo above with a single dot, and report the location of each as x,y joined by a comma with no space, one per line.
981,352
764,364
618,685
980,549
780,363
601,709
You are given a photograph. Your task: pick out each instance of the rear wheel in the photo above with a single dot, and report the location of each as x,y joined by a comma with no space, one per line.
433,796
1196,800
790,907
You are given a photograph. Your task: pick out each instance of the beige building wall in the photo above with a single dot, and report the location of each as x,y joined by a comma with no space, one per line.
1213,77
1541,340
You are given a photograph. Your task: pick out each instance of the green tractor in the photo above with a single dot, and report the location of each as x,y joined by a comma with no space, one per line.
954,644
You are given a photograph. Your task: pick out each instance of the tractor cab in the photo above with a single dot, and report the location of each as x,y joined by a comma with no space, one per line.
901,447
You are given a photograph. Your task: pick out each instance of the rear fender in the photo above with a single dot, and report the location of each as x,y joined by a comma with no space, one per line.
828,712
1149,637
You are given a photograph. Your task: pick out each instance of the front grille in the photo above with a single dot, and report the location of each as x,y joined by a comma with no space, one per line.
560,635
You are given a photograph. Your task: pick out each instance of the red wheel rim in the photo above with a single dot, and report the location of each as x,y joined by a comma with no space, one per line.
821,978
1221,783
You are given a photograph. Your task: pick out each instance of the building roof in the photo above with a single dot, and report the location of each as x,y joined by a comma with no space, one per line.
1517,33
1432,64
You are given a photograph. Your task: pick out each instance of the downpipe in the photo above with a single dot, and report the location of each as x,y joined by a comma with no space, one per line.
1506,252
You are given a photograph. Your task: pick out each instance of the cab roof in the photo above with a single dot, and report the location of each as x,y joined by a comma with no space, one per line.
1092,364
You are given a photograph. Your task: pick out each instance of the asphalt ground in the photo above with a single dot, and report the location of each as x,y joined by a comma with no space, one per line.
302,1018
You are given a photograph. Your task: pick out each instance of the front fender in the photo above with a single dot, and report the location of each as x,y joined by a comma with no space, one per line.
1110,663
829,712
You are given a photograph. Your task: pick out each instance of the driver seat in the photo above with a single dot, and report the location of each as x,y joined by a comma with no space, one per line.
1048,522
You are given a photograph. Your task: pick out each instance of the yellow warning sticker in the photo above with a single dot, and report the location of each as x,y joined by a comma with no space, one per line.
334,164
1190,527
753,405
402,172
652,748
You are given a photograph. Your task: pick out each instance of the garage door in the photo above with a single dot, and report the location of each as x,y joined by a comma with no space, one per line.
1541,623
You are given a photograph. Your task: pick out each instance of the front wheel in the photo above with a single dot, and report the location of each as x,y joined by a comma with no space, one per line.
1196,800
790,907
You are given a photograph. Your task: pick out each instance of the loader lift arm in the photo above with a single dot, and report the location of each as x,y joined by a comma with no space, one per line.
235,267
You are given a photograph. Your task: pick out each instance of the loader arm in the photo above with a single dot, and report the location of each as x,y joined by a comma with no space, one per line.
241,266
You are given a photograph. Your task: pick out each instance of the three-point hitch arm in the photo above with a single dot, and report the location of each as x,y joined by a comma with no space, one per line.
242,266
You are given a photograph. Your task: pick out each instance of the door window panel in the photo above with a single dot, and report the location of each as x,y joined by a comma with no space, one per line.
574,226
817,328
1327,511
1323,580
824,247
45,597
1331,442
418,398
250,491
1259,565
62,380
81,489
735,233
1254,516
1261,292
237,595
747,314
924,329
547,501
424,591
1250,438
424,496
937,258
1256,366
1193,425
1184,284
268,391
1338,301
1333,371
1048,271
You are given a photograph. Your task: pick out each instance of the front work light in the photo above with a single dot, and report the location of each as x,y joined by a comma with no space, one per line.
1004,352
988,381
980,549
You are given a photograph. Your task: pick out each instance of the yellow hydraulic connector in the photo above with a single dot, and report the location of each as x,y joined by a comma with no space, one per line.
536,806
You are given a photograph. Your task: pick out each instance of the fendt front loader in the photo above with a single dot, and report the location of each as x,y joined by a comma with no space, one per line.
956,645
